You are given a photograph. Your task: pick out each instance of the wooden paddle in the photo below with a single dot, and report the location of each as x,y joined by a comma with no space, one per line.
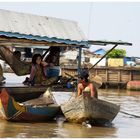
97,80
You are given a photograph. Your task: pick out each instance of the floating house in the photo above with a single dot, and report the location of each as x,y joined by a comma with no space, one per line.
28,30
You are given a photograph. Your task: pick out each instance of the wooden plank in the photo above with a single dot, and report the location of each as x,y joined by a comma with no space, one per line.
119,76
136,77
115,75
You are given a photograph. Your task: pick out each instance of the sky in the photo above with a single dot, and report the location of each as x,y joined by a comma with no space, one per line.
111,21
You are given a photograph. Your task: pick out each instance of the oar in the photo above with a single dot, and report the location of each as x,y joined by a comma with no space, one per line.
97,80
71,77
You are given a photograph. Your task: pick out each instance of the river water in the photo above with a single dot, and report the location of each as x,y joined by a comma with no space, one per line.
125,125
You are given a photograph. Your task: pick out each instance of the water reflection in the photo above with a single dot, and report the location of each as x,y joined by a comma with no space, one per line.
27,130
48,130
124,125
71,130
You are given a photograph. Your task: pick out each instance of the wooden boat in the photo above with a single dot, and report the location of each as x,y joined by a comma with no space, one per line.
95,111
14,111
22,93
133,85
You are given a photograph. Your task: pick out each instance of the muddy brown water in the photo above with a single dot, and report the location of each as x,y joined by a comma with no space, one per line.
125,125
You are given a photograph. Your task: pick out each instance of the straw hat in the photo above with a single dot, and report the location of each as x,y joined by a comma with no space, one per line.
97,81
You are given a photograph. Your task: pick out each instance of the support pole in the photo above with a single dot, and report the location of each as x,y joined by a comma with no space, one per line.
79,60
103,57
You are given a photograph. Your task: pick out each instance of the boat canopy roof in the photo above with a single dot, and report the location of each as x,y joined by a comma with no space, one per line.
20,29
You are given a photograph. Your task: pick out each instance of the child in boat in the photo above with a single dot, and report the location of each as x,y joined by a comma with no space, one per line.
37,70
85,87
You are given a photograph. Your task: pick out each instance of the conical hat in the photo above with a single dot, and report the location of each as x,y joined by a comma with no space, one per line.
97,81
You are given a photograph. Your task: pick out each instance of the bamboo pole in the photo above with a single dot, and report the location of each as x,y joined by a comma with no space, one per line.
103,57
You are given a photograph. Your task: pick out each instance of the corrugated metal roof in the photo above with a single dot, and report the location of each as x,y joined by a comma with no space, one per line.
28,26
104,42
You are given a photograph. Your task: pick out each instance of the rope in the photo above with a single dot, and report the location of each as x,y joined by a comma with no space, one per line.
130,114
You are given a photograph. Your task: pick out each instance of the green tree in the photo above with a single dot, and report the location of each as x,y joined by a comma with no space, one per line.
117,53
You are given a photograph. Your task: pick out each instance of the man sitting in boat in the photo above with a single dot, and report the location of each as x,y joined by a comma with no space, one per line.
17,54
85,86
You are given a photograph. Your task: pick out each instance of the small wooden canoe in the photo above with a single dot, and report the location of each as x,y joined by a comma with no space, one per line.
81,109
14,111
22,93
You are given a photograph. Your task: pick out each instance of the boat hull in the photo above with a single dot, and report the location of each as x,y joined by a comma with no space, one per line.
95,111
22,93
13,111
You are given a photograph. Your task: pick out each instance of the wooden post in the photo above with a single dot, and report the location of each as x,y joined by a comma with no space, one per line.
106,75
119,78
130,75
96,72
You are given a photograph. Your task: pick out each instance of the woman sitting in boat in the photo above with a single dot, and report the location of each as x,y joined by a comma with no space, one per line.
38,75
86,87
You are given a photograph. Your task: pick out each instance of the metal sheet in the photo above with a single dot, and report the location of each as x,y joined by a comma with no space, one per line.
28,26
